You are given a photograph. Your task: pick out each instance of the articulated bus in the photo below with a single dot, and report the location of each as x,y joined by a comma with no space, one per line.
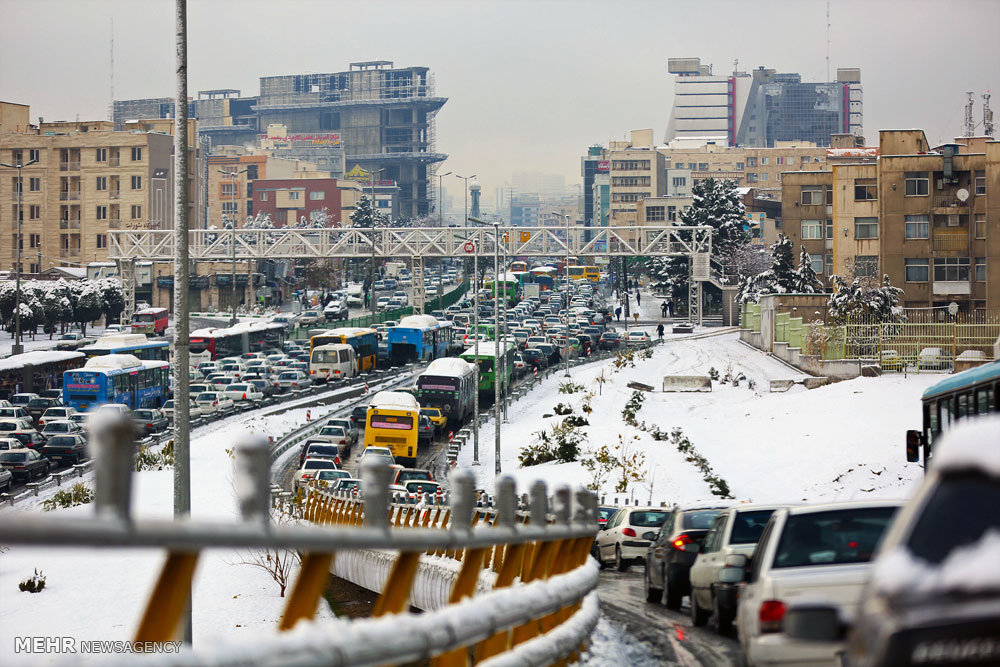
363,340
448,384
215,343
488,376
117,378
591,273
956,398
135,344
392,421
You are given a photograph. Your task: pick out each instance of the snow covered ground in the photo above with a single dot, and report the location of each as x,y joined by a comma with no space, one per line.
841,441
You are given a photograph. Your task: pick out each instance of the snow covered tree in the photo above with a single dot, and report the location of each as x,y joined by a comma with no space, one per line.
317,220
7,300
859,300
52,311
260,221
805,280
780,278
112,298
366,216
718,205
89,303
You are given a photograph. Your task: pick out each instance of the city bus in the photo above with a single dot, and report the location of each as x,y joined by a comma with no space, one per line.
488,353
151,321
117,378
363,340
332,362
413,339
958,397
448,384
518,267
36,371
391,421
544,276
508,287
591,273
135,344
212,343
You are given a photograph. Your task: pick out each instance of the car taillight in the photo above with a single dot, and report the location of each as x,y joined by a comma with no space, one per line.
215,404
149,426
681,541
307,476
336,460
628,532
771,615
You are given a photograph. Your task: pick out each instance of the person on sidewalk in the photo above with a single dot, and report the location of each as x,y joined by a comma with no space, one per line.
663,309
659,330
638,299
618,314
670,308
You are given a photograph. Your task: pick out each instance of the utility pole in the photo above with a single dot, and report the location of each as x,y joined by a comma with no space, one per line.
182,443
232,178
17,347
441,224
371,269
475,322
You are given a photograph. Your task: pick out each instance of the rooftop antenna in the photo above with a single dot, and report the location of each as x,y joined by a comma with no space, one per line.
970,122
827,40
111,99
736,65
987,115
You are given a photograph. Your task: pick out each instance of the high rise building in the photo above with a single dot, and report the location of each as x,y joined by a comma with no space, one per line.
593,163
762,107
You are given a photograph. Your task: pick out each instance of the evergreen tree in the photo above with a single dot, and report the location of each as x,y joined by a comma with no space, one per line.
805,280
112,298
365,215
718,205
89,303
781,278
857,300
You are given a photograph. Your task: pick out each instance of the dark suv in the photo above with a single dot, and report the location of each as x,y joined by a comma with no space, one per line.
672,554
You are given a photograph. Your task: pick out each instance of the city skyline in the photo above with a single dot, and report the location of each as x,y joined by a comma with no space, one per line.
572,75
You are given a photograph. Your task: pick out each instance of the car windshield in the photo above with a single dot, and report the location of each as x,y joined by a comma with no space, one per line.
314,464
421,486
288,376
332,430
748,526
39,403
650,519
946,524
206,396
699,519
322,450
332,474
13,457
833,537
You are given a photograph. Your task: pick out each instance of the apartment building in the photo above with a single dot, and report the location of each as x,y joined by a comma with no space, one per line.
231,177
637,171
929,217
14,117
87,179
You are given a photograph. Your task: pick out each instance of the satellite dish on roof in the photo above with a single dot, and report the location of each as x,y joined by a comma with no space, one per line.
962,194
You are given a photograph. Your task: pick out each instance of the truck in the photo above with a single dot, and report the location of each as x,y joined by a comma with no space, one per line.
355,296
393,269
531,290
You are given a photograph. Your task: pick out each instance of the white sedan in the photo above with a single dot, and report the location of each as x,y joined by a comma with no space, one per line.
244,391
214,402
310,468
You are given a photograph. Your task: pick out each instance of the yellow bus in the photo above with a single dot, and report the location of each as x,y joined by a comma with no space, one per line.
363,340
518,267
591,273
392,421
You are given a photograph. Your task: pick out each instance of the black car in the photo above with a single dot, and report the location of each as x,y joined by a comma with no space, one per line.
670,557
37,406
551,353
319,449
24,464
610,340
425,434
53,393
535,359
30,439
70,448
358,417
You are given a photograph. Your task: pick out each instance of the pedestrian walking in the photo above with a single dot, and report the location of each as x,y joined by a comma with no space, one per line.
670,308
659,330
618,314
663,309
638,299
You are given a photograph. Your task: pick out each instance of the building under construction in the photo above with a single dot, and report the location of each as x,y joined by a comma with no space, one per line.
382,116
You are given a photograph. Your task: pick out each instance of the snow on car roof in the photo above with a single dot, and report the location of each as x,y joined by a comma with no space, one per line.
418,322
970,445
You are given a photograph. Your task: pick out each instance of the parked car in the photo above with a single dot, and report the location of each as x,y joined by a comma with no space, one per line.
293,380
674,550
148,421
807,552
24,464
627,535
214,403
60,427
933,591
734,531
57,412
70,341
37,406
69,447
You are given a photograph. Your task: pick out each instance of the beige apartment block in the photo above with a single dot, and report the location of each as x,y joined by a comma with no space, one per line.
929,217
14,117
636,171
233,195
87,180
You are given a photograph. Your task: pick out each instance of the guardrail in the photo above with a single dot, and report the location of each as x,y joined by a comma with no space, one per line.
549,612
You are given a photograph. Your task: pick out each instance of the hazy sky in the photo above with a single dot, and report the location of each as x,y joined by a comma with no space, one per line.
530,83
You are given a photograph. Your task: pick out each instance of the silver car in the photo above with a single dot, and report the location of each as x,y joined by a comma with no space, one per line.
293,380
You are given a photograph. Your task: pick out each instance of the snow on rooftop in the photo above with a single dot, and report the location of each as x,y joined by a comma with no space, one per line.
487,348
448,366
397,399
113,361
37,358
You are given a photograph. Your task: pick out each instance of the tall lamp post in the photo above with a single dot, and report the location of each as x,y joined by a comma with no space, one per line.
566,292
499,342
232,174
18,348
475,324
371,269
441,224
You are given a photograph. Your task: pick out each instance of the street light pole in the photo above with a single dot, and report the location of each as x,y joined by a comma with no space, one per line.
18,348
371,269
441,224
566,292
499,347
232,178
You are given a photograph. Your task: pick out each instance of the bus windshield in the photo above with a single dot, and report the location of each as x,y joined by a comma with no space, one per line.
149,317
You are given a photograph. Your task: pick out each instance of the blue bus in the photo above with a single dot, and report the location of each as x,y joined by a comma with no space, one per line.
136,345
117,378
961,396
418,338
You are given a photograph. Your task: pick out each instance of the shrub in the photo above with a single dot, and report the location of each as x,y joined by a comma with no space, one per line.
563,409
716,484
632,407
576,421
147,459
570,387
713,374
78,494
33,584
561,444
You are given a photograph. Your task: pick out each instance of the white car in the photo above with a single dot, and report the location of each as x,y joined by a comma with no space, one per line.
379,452
244,391
214,402
60,427
119,408
55,413
809,552
293,380
636,337
194,412
626,536
309,318
309,468
336,435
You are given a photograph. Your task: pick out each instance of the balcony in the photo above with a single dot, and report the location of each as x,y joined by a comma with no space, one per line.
951,239
115,194
69,224
69,166
69,196
114,161
69,252
114,223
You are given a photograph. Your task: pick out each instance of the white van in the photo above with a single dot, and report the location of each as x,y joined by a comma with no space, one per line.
355,296
335,361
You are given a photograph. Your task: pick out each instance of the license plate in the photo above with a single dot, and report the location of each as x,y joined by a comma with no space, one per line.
56,458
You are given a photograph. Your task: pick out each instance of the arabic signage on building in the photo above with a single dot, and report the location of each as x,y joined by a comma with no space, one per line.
317,139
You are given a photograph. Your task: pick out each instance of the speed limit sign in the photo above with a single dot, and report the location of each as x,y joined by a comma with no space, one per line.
469,247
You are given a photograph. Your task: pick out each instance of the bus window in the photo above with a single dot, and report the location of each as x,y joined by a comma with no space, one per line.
947,415
963,406
984,400
933,426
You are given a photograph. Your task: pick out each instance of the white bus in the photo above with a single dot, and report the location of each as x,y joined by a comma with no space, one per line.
335,361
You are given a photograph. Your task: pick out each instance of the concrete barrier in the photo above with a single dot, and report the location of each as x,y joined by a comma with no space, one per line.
675,383
807,382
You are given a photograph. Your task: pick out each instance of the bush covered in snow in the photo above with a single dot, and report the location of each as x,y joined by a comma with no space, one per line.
632,407
78,494
561,444
570,387
33,584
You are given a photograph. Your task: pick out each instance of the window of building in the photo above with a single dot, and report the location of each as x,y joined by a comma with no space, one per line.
980,182
34,154
812,195
136,212
35,240
917,270
230,208
102,212
780,160
17,186
101,154
252,172
629,165
702,166
656,213
263,196
751,162
980,269
679,181
137,154
865,228
866,266
34,212
293,194
17,156
630,181
34,185
102,182
812,229
102,240
917,184
980,225
951,269
816,263
829,228
672,213
829,263
764,176
739,166
751,177
317,195
137,182
917,227
763,161
865,189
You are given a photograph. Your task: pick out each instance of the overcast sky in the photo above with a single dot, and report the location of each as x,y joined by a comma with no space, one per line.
530,83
